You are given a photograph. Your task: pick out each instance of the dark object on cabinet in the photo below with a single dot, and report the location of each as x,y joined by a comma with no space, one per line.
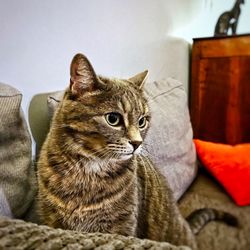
228,19
220,89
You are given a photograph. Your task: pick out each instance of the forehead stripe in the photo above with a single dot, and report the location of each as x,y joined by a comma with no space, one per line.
126,106
130,101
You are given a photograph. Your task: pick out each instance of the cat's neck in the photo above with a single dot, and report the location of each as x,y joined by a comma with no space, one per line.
96,180
94,168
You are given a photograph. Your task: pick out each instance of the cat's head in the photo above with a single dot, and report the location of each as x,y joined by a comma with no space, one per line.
104,117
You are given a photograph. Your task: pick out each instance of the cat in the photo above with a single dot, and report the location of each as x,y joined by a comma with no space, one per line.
91,175
228,19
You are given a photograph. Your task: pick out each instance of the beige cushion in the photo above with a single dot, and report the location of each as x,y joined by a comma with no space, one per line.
17,177
169,141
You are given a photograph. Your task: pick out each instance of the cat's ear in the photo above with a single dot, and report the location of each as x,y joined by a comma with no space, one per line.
82,75
139,79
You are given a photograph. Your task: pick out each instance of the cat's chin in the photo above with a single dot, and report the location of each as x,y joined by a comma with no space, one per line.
124,157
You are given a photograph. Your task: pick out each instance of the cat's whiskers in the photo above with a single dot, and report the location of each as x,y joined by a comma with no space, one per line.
147,152
142,159
100,153
120,149
106,162
115,156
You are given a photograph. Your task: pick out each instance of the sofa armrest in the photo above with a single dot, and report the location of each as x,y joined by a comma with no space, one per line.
38,119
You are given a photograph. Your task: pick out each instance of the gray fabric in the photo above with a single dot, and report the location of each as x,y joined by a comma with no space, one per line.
53,101
17,177
4,205
206,192
17,234
169,141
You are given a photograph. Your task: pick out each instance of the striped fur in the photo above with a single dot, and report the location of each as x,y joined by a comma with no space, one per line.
92,177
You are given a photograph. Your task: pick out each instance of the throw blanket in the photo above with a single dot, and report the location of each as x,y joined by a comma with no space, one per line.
17,234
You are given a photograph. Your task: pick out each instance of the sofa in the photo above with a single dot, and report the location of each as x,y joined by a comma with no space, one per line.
21,230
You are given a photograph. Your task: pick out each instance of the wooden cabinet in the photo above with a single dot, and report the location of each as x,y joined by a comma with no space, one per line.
220,89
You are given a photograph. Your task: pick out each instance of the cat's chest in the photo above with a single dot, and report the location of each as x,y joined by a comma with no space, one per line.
83,172
94,167
95,181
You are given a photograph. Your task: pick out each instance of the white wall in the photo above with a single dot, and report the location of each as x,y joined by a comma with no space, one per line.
39,38
205,15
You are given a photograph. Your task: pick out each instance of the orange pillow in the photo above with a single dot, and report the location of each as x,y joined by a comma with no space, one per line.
230,165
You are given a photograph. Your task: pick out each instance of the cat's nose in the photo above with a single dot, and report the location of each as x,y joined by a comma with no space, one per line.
135,144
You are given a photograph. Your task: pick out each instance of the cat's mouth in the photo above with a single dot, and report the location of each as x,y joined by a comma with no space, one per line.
123,153
125,157
128,155
131,152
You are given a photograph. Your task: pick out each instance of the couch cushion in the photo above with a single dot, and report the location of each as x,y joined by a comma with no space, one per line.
17,177
230,165
206,192
169,141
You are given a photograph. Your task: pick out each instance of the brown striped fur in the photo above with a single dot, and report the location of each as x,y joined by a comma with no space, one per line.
92,177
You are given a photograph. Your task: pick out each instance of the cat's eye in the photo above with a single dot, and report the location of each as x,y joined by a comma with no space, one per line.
142,122
113,119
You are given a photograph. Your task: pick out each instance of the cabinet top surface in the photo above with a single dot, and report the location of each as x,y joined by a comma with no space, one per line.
222,37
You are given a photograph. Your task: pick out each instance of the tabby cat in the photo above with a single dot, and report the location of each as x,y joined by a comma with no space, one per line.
92,177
